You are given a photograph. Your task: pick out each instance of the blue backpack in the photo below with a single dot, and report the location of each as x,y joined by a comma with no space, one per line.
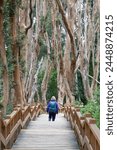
52,106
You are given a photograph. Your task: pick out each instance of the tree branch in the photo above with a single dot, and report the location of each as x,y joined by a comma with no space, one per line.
68,30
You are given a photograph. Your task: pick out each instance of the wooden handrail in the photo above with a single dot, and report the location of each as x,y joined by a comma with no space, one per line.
11,126
87,132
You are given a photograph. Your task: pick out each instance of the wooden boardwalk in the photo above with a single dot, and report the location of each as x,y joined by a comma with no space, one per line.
42,134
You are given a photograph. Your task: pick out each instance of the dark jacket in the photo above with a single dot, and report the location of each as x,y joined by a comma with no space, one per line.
48,106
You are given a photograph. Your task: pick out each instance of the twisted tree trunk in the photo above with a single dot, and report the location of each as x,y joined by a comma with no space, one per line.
47,73
4,62
18,99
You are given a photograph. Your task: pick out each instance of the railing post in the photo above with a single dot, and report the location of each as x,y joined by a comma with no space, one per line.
72,116
92,121
68,113
65,112
87,132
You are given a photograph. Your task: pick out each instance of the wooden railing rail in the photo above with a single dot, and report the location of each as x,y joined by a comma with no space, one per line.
12,124
87,132
38,108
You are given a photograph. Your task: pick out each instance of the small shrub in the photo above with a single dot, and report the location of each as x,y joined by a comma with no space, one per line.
93,107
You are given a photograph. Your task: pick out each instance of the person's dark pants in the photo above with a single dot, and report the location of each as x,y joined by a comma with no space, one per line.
52,116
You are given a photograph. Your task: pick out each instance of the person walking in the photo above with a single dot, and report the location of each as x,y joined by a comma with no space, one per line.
52,108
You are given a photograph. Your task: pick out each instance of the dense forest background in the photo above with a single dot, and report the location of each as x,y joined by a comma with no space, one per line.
50,47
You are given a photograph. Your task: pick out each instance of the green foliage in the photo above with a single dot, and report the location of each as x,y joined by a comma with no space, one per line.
46,23
12,8
20,39
80,93
46,26
13,5
59,20
93,107
40,78
96,95
18,2
52,85
6,25
91,3
22,65
42,20
35,98
9,109
43,48
78,104
8,44
34,11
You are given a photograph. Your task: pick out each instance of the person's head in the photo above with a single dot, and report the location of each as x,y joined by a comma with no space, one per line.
53,98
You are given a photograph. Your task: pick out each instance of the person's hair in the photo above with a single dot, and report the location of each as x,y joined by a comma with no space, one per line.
53,98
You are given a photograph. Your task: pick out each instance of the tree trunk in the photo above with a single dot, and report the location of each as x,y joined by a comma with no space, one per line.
34,86
4,62
18,99
32,51
70,32
70,50
47,73
60,68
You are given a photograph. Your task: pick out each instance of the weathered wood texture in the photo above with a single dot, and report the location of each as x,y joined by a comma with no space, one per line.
47,135
42,134
88,134
11,126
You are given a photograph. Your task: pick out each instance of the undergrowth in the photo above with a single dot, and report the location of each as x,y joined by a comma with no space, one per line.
93,107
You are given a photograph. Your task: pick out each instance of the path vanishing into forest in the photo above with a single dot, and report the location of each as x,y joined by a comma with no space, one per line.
49,47
42,134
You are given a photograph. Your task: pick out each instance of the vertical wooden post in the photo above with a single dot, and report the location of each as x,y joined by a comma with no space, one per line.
72,115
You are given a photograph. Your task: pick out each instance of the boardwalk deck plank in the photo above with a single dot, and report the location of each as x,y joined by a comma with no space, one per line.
47,135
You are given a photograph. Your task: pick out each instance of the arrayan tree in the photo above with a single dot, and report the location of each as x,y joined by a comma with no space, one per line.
3,57
42,36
